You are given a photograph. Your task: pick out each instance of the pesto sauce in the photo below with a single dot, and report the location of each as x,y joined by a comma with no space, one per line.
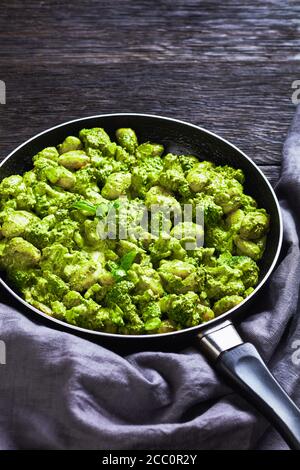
51,250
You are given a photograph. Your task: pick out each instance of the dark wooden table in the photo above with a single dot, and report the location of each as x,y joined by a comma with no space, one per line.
226,66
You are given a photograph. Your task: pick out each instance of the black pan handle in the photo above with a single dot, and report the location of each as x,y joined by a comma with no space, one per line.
242,365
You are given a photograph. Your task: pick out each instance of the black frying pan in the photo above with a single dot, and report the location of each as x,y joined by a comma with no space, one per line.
218,338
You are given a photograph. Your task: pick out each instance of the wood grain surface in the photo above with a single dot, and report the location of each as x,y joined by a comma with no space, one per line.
227,66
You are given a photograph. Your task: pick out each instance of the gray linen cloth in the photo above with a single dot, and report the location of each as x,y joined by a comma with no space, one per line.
61,391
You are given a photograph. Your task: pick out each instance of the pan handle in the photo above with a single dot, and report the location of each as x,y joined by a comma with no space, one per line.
242,365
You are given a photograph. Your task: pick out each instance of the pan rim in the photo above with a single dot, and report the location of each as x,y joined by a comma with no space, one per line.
220,319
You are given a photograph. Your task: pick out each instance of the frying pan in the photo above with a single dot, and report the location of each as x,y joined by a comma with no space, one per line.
217,339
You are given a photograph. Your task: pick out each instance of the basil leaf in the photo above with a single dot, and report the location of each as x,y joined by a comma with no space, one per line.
85,206
128,259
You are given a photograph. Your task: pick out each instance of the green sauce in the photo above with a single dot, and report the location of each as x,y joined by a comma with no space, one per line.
52,249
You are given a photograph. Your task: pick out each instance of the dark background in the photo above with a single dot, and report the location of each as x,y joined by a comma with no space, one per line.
226,66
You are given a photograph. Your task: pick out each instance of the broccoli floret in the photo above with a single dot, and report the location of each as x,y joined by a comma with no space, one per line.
105,166
246,265
30,178
54,259
86,179
181,276
83,315
109,320
227,193
96,292
200,176
48,288
180,308
223,280
95,138
88,314
7,205
42,166
12,186
248,204
76,315
104,147
38,232
26,200
124,157
226,303
64,233
145,278
151,314
219,238
22,278
229,172
58,310
172,176
175,181
166,247
203,256
188,162
204,204
146,174
55,285
52,201
119,296
185,310
72,299
149,150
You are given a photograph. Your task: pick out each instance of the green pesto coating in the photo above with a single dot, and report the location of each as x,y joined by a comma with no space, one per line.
52,251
